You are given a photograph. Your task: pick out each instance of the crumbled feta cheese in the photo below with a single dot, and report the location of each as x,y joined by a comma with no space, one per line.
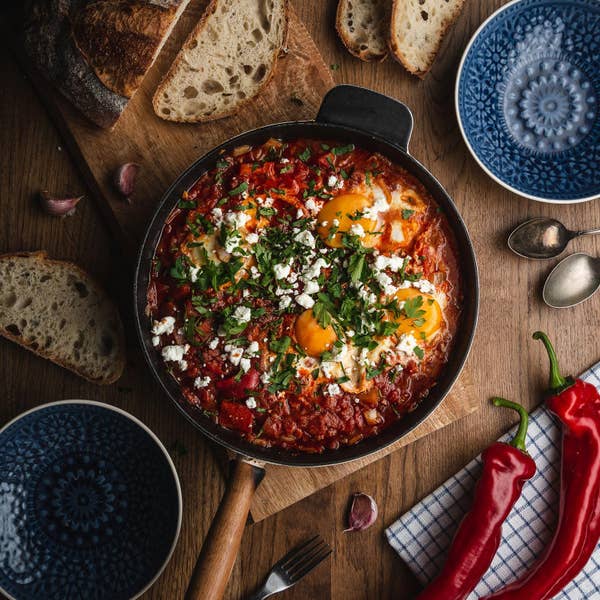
358,230
332,181
407,344
350,333
311,205
213,343
237,219
245,292
217,215
393,263
333,389
251,402
314,270
305,301
155,340
328,367
335,222
174,353
232,242
284,161
311,287
194,274
324,223
252,238
265,378
165,325
242,314
235,354
424,285
385,281
367,296
285,302
252,348
254,271
306,238
182,364
292,277
281,271
201,382
397,233
268,201
245,364
299,213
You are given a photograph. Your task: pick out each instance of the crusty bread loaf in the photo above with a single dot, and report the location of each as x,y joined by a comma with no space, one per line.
417,30
56,310
363,27
228,59
97,52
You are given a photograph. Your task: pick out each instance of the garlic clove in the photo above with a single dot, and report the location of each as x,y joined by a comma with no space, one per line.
58,207
125,177
363,512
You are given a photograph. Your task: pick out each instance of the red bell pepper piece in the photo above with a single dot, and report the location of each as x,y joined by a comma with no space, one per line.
235,416
577,405
506,467
236,390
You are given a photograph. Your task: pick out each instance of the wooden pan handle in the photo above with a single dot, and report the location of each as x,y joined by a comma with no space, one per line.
218,554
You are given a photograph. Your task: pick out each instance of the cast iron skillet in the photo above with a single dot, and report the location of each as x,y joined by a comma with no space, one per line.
348,114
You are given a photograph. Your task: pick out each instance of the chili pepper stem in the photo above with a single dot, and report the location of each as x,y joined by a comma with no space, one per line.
519,440
558,383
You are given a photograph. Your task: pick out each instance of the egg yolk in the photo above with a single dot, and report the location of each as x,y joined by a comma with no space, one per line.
429,314
342,211
311,337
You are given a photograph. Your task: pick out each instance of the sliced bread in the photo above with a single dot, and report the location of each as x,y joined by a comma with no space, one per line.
363,27
417,30
228,59
56,310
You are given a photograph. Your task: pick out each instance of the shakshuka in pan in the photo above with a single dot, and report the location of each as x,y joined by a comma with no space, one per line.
305,294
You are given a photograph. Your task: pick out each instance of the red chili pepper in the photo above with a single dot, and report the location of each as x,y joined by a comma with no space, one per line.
577,405
506,467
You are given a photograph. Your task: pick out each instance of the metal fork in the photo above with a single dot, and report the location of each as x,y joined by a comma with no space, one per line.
293,567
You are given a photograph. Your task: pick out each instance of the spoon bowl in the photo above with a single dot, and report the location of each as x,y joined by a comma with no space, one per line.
573,280
542,238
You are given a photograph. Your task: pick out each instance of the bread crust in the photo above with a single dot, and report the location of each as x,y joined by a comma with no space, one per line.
401,57
42,256
50,45
364,55
167,78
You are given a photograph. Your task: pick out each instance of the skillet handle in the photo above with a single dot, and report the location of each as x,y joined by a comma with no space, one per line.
220,548
361,108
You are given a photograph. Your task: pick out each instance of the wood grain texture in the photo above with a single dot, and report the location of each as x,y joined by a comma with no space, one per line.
504,359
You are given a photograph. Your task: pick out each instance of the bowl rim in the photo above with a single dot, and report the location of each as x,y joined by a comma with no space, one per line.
459,73
156,440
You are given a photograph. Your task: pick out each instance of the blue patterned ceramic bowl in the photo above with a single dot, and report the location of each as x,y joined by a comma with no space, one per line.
90,504
528,98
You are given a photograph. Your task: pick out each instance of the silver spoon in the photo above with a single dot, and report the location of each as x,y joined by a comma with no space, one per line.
573,280
542,238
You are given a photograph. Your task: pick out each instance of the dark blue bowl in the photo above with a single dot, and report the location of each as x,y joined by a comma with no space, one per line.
90,504
528,98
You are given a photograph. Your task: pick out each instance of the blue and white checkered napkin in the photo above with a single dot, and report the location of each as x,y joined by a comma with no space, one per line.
423,535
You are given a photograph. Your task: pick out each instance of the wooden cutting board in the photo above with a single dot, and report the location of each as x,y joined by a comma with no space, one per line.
164,149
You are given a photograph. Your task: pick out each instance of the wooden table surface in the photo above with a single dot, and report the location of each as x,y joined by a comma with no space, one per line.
504,359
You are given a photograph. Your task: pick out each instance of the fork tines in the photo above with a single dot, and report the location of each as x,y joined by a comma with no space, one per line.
304,557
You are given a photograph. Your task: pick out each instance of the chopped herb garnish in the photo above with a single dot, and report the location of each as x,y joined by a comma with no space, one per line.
186,204
305,154
407,213
239,189
419,352
340,150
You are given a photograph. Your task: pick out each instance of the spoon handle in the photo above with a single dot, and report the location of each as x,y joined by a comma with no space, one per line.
586,232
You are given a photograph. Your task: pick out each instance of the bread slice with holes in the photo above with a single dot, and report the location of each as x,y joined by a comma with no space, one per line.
228,59
55,309
417,30
363,27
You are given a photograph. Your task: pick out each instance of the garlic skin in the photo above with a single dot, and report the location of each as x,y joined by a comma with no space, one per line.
125,177
58,207
363,512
